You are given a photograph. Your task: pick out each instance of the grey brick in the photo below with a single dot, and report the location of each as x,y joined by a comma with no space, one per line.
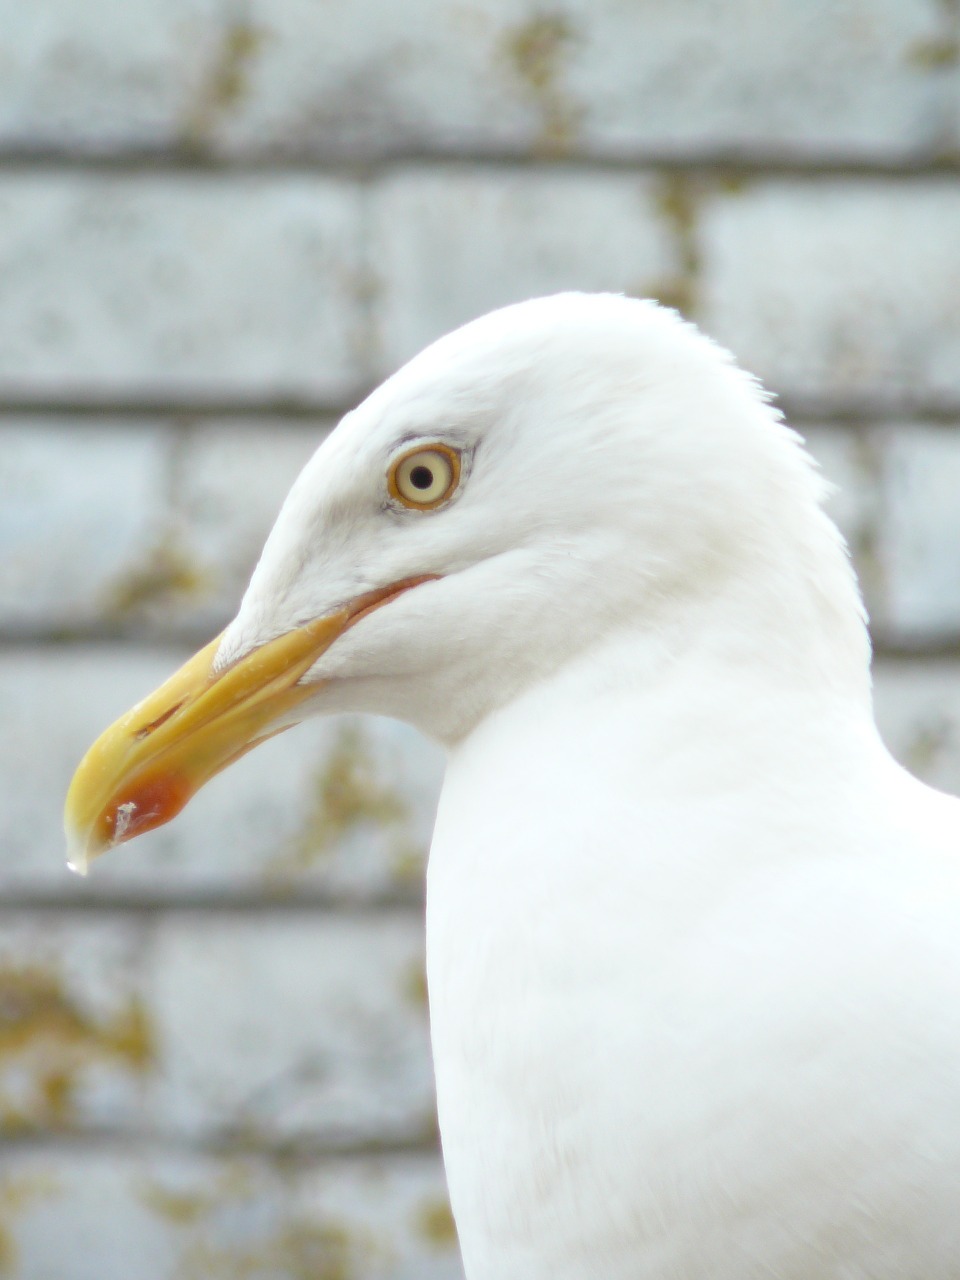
838,292
293,1027
105,1214
449,246
874,78
339,805
179,287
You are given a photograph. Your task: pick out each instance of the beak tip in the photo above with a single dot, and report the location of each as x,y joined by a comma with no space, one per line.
78,853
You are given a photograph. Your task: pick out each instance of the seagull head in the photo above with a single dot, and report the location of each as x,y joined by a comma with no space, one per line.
554,475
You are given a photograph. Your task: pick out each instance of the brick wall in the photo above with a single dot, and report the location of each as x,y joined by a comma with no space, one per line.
219,224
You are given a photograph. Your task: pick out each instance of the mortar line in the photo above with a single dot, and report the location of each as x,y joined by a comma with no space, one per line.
118,1141
146,903
334,163
143,641
255,413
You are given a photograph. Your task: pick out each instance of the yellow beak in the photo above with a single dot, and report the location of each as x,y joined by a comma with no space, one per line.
143,769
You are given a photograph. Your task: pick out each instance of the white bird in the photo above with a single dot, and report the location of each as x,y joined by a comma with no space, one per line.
692,935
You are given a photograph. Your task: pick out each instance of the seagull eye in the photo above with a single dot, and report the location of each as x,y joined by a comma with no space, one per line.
424,478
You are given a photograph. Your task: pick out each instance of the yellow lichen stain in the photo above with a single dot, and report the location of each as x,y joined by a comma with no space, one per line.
216,1240
230,80
675,292
179,1208
864,540
56,1088
677,201
536,52
318,1252
408,863
346,795
943,49
295,1250
227,83
188,1208
927,748
931,55
16,1194
434,1223
165,577
413,985
732,181
45,1035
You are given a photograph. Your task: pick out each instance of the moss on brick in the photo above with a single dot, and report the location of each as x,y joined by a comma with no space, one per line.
434,1223
536,53
346,795
47,1036
165,577
227,83
17,1193
677,200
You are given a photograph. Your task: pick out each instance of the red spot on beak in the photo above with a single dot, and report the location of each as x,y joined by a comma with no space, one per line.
150,804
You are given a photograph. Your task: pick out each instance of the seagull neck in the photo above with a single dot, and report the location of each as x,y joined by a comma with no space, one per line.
710,700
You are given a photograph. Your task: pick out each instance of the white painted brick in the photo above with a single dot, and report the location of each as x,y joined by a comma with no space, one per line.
76,1042
835,292
848,460
79,506
866,77
918,711
179,286
104,1214
918,538
230,482
103,75
397,1213
343,805
283,1027
449,246
293,1026
819,77
131,524
897,505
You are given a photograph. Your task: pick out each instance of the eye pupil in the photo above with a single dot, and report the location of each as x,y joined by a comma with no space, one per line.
421,477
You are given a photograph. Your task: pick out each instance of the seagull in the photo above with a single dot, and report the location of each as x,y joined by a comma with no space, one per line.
693,936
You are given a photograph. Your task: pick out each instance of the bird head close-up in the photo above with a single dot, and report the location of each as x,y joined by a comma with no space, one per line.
547,483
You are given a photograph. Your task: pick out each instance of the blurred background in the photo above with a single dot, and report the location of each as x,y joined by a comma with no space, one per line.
221,221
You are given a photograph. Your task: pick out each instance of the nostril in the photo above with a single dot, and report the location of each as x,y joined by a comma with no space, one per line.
147,729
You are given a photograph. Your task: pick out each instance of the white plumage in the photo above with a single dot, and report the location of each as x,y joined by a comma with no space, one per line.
693,947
